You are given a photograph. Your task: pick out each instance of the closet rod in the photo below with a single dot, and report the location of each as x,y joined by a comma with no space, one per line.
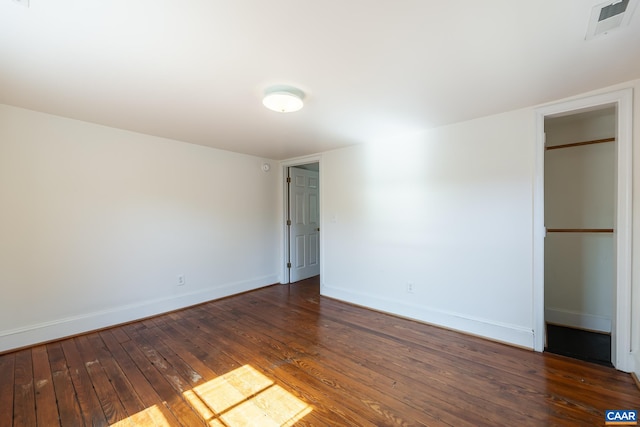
578,144
579,230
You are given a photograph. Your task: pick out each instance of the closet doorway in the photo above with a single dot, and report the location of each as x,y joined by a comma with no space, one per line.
579,249
582,221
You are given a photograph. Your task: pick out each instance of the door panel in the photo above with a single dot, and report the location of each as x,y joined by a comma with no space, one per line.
304,242
299,251
313,250
299,208
313,208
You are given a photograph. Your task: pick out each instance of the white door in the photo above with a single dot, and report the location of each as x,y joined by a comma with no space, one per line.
304,212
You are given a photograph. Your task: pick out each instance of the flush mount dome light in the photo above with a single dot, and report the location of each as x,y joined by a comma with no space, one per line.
283,99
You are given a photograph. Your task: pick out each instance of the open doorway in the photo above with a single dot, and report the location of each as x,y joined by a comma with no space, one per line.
599,241
302,221
579,250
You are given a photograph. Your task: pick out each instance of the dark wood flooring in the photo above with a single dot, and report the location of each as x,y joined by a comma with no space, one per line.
283,355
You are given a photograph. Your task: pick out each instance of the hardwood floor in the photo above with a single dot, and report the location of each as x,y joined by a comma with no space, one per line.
282,355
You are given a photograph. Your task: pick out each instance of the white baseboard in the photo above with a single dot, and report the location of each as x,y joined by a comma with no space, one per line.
577,320
510,334
64,327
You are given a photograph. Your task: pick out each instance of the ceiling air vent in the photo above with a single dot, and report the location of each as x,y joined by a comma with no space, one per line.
609,16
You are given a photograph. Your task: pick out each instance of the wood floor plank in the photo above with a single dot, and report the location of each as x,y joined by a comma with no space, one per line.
46,406
286,348
161,378
123,388
7,364
163,358
90,406
196,369
107,396
208,347
177,354
68,407
142,387
24,403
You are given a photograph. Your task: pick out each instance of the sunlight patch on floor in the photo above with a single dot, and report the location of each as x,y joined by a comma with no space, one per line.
242,397
152,416
245,397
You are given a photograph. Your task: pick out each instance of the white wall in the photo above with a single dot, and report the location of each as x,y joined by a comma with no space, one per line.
97,223
450,212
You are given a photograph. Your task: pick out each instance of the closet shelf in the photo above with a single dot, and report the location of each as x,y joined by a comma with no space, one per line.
580,230
579,144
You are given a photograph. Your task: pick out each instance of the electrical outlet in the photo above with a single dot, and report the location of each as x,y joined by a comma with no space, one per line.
24,3
410,287
181,280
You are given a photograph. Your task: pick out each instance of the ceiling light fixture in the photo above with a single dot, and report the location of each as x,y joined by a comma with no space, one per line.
283,99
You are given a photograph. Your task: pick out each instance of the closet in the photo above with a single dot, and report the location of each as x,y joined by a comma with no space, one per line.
580,200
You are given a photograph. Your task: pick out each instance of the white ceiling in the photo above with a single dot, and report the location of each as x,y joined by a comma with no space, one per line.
194,70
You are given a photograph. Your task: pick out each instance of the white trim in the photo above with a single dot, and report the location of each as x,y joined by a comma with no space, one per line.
496,331
82,323
621,327
539,232
284,247
621,333
578,320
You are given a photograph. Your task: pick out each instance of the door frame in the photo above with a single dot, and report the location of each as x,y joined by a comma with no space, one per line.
622,357
284,247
